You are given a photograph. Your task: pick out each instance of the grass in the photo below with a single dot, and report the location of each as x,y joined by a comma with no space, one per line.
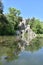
8,39
40,35
42,24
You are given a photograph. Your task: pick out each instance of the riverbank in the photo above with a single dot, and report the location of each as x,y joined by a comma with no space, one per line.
39,35
8,38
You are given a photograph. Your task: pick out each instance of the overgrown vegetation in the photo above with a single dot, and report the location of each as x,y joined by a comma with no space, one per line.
36,25
9,22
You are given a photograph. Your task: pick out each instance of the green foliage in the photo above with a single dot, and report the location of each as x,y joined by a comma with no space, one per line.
6,29
1,7
13,17
35,25
35,44
9,23
3,19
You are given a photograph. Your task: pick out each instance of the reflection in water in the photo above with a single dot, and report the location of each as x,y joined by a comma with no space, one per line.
35,44
10,49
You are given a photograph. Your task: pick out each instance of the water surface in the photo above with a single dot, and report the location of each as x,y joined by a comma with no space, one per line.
12,54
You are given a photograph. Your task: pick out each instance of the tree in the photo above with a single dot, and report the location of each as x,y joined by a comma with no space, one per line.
35,25
32,21
3,18
13,17
5,27
1,7
27,21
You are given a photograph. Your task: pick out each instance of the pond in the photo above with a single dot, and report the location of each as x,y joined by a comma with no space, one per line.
11,53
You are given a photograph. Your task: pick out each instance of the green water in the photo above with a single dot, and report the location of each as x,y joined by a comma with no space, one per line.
11,53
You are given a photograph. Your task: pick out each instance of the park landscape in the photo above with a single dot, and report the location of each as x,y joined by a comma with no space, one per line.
20,38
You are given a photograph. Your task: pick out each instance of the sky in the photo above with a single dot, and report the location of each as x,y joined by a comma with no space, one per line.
28,8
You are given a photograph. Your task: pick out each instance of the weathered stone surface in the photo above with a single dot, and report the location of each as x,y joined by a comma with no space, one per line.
25,32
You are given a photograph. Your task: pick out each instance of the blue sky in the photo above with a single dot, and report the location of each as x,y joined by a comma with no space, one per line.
28,8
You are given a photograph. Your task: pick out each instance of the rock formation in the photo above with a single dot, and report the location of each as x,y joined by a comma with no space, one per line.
25,32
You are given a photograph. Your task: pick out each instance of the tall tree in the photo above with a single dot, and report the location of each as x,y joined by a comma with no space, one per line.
1,7
13,17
